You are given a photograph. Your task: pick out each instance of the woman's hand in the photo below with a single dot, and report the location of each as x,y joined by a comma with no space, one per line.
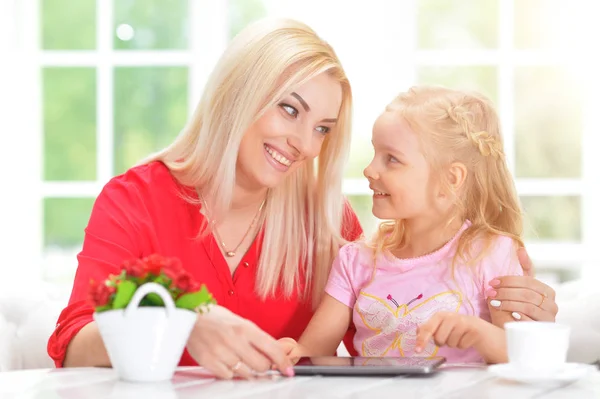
523,296
229,345
462,332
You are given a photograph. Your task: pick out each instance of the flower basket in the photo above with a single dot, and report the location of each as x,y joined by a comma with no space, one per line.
145,316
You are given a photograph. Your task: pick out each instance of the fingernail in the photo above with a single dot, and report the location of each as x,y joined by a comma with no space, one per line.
289,371
516,316
495,303
491,293
494,282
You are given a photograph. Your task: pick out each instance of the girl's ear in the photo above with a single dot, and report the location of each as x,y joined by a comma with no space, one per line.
457,175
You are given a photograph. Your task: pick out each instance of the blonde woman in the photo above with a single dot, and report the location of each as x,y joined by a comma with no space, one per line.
440,177
248,197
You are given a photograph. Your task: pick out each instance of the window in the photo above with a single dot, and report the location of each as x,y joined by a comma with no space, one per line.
115,80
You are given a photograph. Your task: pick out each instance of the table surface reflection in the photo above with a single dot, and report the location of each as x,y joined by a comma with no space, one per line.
193,382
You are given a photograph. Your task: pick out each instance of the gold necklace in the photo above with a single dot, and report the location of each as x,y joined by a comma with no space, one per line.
231,253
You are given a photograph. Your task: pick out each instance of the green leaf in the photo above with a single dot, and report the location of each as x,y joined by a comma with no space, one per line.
154,299
194,299
125,291
103,308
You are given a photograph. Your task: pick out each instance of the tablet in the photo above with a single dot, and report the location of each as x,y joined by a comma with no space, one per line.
333,365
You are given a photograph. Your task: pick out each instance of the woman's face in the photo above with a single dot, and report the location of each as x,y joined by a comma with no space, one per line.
289,133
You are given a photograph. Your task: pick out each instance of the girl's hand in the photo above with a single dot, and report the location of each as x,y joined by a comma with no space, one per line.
523,296
228,345
462,332
291,348
449,329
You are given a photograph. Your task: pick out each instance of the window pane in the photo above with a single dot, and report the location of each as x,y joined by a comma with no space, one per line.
243,12
363,207
479,78
68,24
457,24
546,24
361,153
552,218
548,117
151,24
64,221
69,123
150,110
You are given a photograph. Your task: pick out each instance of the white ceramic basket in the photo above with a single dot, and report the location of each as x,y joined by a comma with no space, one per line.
145,344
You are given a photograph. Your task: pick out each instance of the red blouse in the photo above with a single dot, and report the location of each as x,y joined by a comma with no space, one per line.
142,212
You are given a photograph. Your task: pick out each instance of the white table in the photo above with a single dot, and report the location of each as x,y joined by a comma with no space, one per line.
190,382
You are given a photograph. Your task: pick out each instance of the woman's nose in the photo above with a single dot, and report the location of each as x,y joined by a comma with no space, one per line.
303,142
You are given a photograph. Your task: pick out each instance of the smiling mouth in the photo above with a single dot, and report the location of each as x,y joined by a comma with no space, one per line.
379,193
277,156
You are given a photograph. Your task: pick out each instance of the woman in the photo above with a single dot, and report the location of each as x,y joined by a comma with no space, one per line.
240,201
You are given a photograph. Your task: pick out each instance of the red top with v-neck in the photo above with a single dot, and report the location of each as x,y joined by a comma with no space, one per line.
142,212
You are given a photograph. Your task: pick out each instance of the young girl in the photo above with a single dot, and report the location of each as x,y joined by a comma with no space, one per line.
419,288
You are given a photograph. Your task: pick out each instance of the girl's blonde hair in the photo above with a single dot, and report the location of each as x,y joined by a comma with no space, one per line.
457,126
302,231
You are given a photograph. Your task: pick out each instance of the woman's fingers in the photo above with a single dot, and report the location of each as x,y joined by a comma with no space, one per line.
532,304
227,344
219,369
528,291
242,370
524,309
270,348
525,282
251,357
527,296
520,317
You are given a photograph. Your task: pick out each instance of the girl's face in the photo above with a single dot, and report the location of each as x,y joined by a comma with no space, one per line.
288,134
399,175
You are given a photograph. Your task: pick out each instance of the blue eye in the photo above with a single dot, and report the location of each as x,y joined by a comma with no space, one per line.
291,111
323,130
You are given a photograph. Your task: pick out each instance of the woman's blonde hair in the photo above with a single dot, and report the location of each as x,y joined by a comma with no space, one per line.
458,126
302,232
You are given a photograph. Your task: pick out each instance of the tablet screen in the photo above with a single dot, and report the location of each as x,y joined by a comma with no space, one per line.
367,365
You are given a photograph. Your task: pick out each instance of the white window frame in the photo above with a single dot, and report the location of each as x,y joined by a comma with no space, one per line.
208,38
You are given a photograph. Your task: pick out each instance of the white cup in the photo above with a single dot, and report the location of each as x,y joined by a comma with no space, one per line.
536,345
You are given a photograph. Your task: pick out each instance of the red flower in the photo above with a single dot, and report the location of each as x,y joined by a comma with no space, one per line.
172,267
100,293
183,282
154,264
194,286
134,268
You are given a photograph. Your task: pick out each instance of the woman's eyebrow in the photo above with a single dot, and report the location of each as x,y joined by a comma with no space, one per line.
301,101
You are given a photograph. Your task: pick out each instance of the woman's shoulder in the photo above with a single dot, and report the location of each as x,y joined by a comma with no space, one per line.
145,175
153,177
351,228
152,182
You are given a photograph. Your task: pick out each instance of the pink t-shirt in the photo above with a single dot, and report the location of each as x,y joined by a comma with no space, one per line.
390,297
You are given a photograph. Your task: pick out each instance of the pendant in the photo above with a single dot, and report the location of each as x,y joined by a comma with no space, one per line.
230,254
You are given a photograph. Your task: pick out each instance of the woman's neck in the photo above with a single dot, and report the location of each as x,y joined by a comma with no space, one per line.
426,238
245,200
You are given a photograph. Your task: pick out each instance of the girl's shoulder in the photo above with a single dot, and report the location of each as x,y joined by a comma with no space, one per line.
492,243
357,252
